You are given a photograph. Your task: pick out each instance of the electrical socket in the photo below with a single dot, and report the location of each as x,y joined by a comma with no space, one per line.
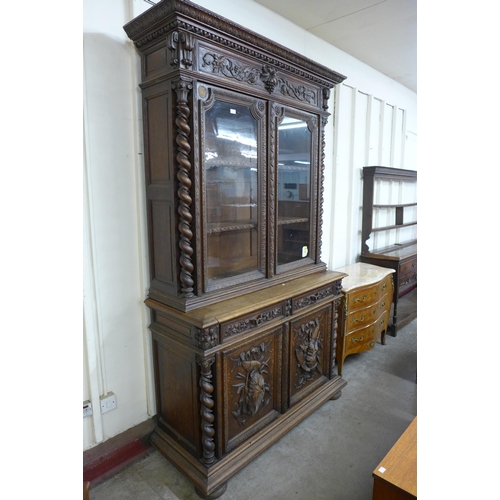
87,409
108,402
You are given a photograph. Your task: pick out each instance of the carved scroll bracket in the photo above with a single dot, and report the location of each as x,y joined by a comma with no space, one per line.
181,45
326,97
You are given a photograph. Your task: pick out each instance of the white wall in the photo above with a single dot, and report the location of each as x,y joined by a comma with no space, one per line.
375,124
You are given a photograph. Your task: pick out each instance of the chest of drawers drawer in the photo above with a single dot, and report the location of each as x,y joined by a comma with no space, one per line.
367,295
365,338
362,317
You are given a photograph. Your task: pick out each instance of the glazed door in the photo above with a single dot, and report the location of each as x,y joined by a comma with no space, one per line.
234,187
297,135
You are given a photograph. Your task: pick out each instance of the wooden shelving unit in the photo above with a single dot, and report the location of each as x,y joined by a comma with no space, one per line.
400,256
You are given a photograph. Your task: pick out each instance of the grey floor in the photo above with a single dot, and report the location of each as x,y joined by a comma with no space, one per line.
329,456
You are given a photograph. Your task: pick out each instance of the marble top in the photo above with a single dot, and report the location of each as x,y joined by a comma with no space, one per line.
362,274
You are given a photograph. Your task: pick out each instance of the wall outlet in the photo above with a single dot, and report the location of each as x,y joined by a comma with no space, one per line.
108,402
87,409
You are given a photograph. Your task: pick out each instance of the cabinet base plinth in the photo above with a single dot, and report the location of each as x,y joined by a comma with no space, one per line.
211,483
216,494
336,396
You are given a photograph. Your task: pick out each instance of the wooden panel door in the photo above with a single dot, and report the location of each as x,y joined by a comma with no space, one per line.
251,386
309,353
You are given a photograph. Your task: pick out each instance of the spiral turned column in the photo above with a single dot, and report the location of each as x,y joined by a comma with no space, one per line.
182,88
207,405
322,186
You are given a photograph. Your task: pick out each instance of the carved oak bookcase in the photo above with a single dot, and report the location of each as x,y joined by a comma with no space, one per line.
244,312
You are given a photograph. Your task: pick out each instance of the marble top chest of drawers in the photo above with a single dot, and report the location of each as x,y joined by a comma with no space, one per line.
367,296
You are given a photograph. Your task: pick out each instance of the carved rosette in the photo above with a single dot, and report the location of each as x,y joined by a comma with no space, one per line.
206,411
182,88
253,392
309,351
207,338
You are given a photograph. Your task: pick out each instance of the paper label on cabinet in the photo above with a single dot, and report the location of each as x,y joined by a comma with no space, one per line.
304,251
381,470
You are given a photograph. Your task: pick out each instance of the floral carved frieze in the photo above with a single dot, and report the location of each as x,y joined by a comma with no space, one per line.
230,69
308,351
253,391
249,323
266,76
313,298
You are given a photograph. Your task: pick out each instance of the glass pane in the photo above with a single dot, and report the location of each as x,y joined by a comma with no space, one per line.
231,190
294,188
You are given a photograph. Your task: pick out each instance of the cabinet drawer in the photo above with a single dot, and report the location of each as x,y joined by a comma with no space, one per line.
364,296
363,317
365,338
313,297
407,270
251,321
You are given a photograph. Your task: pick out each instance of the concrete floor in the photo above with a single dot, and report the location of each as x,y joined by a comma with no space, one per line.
329,456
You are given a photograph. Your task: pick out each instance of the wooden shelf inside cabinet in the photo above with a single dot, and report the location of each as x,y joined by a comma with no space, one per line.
400,256
285,220
220,227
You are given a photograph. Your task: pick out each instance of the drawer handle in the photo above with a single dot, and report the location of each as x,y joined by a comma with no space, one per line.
371,344
414,264
353,339
380,323
362,299
384,286
356,320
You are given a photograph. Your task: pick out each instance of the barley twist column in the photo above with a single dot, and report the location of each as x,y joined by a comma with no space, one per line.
182,88
207,416
322,186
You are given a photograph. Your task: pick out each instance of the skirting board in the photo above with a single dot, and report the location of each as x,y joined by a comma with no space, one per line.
114,454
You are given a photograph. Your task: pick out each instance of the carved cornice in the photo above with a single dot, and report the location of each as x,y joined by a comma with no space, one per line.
158,21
